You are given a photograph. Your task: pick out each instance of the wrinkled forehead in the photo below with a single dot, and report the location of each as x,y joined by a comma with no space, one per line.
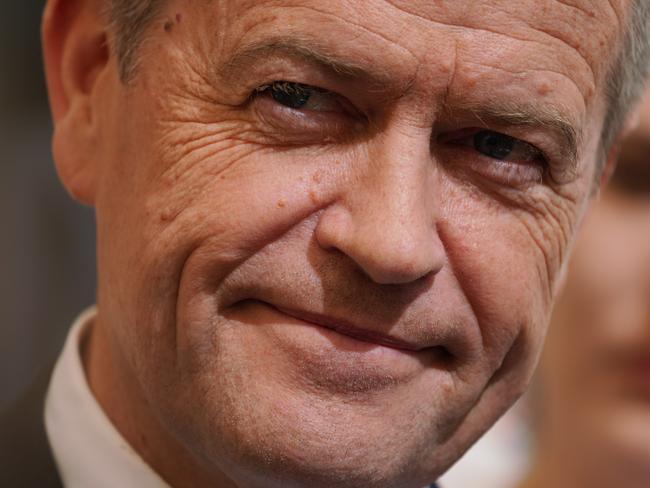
536,60
560,50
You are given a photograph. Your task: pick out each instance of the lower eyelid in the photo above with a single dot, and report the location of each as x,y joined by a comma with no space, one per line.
298,126
505,172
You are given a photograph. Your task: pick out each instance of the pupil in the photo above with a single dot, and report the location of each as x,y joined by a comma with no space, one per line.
494,145
291,95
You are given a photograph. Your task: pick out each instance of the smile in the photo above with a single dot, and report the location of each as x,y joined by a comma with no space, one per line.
347,329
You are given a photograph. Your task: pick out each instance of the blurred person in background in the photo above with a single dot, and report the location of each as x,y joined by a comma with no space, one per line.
592,421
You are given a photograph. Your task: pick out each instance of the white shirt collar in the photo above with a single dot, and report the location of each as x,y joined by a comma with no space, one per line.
88,449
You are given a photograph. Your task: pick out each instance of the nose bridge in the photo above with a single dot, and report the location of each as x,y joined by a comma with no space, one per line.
386,218
394,191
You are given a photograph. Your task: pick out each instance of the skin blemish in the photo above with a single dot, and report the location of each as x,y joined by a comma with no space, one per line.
166,215
313,197
282,204
317,178
168,26
179,18
544,89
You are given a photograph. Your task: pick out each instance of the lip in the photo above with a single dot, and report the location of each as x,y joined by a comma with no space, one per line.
344,327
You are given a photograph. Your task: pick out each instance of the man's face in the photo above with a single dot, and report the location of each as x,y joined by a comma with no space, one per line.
330,232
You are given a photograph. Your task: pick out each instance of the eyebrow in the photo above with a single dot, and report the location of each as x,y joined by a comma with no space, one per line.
310,51
531,115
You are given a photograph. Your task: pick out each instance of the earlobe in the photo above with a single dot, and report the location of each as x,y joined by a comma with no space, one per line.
76,53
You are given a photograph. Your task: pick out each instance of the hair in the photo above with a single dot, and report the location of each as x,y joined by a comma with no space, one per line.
628,75
626,80
129,20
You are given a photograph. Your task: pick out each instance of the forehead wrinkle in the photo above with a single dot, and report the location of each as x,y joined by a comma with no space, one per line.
354,52
463,23
308,50
295,47
525,72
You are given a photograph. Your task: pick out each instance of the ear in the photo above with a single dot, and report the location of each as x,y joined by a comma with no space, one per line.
76,52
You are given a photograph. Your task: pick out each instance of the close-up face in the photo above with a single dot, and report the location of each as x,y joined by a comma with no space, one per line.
595,376
330,233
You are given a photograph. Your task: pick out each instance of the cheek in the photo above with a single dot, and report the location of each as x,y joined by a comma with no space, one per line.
181,227
507,262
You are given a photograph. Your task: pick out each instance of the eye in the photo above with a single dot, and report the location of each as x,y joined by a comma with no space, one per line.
299,114
505,148
496,156
299,96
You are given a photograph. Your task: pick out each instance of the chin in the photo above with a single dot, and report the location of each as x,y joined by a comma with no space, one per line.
262,431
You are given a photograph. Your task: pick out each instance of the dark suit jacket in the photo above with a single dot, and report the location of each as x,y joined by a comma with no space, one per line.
26,460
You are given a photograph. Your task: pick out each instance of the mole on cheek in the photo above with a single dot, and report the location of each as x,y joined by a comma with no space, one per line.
166,215
282,204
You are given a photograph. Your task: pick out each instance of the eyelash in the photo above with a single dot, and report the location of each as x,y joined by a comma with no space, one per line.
335,119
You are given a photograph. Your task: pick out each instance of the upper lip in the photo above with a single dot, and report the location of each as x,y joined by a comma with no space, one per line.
344,327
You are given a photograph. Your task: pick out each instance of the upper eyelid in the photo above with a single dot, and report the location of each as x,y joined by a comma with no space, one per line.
345,104
553,122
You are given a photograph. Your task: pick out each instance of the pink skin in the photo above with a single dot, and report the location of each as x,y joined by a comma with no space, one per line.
218,208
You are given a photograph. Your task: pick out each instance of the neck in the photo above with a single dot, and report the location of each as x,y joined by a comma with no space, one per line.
124,403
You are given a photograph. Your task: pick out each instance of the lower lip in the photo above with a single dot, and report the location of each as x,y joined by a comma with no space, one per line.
326,351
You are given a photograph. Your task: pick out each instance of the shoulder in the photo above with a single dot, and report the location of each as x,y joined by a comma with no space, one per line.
25,456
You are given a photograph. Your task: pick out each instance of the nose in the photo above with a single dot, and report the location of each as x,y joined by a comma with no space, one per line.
385,218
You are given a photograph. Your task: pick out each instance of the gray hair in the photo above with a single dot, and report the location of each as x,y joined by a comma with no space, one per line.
628,76
129,20
626,79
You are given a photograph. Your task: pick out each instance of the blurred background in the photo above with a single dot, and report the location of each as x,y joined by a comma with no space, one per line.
47,241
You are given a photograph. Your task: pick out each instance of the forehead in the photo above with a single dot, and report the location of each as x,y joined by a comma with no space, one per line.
559,50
